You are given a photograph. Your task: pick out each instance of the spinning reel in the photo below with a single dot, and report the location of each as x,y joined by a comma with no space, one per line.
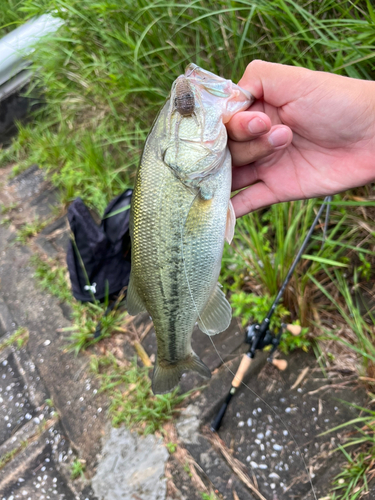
255,338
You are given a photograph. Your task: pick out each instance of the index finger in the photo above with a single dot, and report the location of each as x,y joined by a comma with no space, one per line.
278,84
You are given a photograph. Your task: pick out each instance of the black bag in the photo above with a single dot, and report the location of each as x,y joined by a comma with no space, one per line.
103,250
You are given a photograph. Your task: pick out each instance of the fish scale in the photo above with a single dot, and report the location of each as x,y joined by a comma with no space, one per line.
178,221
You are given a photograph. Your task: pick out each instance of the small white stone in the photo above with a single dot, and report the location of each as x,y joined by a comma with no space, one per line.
46,343
273,475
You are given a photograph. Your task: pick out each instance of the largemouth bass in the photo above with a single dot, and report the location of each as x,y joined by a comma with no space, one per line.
180,215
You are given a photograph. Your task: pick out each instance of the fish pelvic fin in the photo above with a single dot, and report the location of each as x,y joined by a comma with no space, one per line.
231,222
217,313
166,375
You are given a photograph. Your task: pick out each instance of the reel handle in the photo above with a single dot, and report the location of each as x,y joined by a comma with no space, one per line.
294,329
280,364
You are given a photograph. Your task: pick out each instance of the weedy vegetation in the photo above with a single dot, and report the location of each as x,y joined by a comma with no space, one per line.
102,78
209,496
7,457
131,399
77,468
30,229
359,469
19,338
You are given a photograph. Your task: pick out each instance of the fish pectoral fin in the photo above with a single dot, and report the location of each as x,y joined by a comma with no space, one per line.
134,302
217,314
231,222
166,376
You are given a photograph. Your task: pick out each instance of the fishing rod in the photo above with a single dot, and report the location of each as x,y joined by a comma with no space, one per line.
259,335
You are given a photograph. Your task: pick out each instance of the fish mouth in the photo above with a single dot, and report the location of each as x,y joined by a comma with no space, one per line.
217,85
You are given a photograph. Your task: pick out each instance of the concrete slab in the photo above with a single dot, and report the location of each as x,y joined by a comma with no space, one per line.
15,406
72,389
7,322
36,477
131,467
28,183
54,238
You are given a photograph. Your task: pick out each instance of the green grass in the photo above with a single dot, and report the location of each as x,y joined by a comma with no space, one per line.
107,71
30,229
7,457
52,276
19,337
10,15
131,399
265,245
77,468
353,482
85,319
5,209
355,315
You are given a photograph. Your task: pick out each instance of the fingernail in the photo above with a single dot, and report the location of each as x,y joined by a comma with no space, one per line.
278,137
257,126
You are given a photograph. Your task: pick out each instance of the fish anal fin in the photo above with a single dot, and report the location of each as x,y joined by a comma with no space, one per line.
134,302
231,222
166,376
217,314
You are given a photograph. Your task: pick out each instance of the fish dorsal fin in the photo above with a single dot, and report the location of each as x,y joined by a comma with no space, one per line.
134,302
231,222
217,314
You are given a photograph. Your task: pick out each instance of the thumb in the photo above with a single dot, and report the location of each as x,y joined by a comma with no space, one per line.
279,84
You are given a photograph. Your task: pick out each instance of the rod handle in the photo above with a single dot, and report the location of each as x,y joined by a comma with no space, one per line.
241,370
215,426
294,329
281,364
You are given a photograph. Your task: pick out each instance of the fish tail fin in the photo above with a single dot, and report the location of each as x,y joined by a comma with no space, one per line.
167,376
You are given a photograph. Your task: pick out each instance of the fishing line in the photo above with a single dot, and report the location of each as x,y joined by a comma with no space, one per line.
182,227
275,413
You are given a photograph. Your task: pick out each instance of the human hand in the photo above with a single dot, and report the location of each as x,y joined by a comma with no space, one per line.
314,136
